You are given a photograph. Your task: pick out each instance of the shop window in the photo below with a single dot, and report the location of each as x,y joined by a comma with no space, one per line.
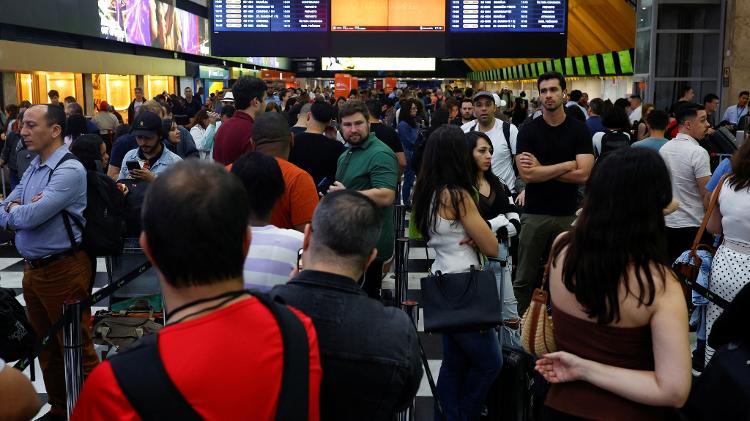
156,85
117,90
63,83
25,88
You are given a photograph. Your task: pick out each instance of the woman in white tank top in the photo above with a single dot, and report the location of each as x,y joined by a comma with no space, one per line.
445,212
730,270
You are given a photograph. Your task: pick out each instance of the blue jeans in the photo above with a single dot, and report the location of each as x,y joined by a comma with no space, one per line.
408,179
471,362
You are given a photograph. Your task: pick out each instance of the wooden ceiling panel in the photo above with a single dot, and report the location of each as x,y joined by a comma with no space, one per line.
594,26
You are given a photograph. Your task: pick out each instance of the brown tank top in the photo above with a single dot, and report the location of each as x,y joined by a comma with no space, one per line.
617,346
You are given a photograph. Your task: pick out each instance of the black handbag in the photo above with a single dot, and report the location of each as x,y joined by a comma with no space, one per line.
461,302
17,337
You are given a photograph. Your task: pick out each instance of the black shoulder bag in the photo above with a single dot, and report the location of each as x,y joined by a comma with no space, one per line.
461,302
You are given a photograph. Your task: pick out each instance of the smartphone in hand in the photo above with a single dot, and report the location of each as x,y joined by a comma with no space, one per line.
323,186
133,165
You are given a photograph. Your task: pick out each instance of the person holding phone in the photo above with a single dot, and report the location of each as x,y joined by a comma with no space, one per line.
151,157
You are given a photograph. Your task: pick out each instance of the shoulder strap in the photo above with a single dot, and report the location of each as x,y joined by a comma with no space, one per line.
65,215
506,134
707,216
293,401
149,389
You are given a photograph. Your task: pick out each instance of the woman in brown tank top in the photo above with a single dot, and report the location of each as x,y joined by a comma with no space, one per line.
619,313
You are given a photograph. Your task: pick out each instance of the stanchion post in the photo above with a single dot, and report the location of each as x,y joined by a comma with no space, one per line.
72,352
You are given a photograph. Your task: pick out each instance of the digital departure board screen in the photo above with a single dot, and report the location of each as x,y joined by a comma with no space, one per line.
507,15
271,15
388,28
387,15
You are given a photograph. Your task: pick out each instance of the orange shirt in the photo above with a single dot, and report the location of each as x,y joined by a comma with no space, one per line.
300,197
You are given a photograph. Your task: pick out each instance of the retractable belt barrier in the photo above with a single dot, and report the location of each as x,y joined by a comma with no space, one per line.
65,319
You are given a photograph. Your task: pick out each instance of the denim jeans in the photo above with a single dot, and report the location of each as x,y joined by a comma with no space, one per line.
471,362
507,296
408,179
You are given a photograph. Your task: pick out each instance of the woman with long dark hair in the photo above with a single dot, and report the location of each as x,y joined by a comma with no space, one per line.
619,313
75,126
497,207
91,150
408,132
445,213
730,270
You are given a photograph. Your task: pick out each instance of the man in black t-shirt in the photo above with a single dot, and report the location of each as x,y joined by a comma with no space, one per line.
386,133
554,156
312,150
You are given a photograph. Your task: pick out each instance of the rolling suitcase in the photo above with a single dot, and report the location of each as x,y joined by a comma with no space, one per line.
511,397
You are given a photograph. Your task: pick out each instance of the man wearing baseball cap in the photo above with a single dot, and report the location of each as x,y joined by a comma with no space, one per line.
502,134
151,155
104,120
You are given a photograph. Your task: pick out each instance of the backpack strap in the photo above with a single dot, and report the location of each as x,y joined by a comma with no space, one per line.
149,389
155,397
506,133
293,402
66,216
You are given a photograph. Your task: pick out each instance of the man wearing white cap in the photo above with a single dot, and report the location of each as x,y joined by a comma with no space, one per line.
503,137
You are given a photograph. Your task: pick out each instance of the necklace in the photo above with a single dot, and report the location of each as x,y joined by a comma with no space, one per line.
227,297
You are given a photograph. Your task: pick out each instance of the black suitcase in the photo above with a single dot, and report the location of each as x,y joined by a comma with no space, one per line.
511,397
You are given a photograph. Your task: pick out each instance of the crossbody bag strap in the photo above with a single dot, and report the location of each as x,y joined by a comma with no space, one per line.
506,134
712,204
149,389
293,402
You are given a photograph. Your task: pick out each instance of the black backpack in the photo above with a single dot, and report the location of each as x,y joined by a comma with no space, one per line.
612,141
17,337
104,214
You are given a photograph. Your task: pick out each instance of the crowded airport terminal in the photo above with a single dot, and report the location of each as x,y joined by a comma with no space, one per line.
374,210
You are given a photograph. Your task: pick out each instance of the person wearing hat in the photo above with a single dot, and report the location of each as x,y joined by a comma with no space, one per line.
502,134
105,120
151,155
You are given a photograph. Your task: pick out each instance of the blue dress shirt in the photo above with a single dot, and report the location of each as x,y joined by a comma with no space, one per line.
166,160
39,226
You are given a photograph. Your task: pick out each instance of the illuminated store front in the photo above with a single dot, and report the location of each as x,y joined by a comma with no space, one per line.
34,86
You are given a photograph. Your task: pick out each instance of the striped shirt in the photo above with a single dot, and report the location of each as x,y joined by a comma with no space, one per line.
272,257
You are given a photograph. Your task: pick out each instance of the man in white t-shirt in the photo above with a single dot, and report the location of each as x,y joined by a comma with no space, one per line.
504,148
689,168
637,107
18,399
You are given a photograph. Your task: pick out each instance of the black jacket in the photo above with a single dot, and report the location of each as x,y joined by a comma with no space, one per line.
369,352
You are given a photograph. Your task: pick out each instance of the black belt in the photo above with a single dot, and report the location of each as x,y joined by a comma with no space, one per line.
48,260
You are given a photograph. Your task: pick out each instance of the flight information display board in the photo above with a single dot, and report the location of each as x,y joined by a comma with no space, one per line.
271,15
387,15
389,28
507,15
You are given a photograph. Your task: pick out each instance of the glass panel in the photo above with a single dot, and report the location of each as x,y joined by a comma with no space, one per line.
642,51
687,55
689,16
664,95
643,15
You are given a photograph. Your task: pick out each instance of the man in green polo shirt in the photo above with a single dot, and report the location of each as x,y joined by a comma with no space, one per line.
370,167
